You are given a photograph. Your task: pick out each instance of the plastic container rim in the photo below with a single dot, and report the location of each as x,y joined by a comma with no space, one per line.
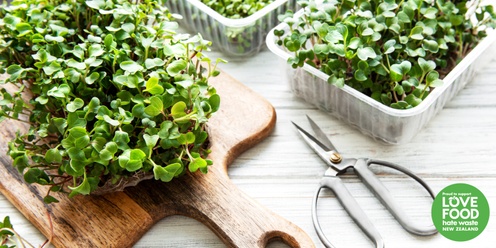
235,23
424,105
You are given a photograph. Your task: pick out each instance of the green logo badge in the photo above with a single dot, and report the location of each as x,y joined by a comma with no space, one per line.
460,212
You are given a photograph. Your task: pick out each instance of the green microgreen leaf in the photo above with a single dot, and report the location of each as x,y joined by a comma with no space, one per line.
339,82
52,68
121,139
153,86
156,106
92,78
84,188
416,33
400,70
62,91
131,66
433,80
366,53
60,124
53,156
132,159
75,105
426,65
77,65
155,62
214,101
389,46
430,45
176,67
150,140
33,175
456,20
360,75
14,71
197,164
165,174
355,42
178,110
95,50
413,100
50,199
111,121
107,153
54,39
23,29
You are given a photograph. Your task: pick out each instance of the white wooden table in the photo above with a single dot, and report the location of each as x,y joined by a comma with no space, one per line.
282,173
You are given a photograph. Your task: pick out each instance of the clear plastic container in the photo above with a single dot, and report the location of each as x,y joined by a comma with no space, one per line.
233,37
383,123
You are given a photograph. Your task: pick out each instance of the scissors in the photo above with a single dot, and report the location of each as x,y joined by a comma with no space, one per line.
338,165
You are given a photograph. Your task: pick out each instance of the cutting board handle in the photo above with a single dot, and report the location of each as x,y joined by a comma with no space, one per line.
233,216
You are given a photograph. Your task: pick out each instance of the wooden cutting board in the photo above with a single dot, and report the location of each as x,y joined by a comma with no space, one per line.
120,219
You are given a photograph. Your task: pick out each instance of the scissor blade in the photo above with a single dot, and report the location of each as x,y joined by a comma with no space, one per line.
311,138
321,135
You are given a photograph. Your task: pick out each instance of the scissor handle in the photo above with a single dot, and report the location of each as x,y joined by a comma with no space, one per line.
382,193
336,185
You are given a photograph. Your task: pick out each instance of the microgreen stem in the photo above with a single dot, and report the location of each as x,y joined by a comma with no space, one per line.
395,96
385,68
17,119
150,160
399,6
20,240
460,45
186,149
50,238
426,85
146,53
186,117
338,12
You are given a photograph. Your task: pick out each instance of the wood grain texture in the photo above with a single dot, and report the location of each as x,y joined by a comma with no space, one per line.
120,219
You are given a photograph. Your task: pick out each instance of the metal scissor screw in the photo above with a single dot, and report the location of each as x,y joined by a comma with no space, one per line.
336,158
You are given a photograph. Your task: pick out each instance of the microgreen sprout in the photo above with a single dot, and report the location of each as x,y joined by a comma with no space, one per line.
115,93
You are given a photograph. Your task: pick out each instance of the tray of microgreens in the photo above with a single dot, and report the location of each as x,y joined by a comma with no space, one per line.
237,28
384,66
